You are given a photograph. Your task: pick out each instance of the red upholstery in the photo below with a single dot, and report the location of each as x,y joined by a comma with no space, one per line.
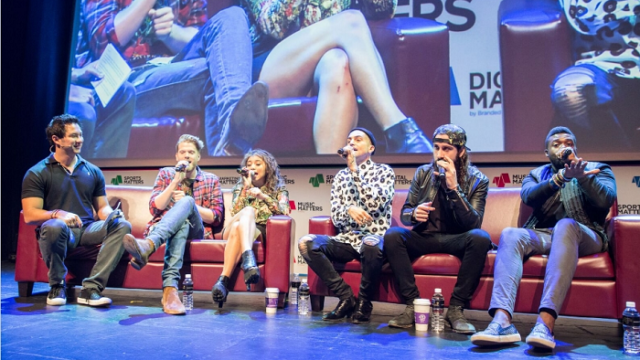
535,46
610,277
416,56
203,258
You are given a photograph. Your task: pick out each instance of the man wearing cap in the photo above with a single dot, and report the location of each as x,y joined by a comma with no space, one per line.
445,206
570,199
361,198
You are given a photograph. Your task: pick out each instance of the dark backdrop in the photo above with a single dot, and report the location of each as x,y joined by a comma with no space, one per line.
36,42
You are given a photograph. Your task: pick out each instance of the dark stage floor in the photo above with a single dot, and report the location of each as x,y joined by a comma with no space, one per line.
135,327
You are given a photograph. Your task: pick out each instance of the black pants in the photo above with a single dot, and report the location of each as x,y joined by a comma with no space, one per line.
402,246
321,250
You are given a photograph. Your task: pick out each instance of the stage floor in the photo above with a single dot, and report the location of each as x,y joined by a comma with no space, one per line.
135,327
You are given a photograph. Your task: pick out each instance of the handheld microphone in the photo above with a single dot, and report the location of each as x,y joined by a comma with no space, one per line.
565,154
344,151
181,167
244,172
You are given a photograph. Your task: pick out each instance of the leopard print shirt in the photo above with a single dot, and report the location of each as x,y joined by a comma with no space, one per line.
371,188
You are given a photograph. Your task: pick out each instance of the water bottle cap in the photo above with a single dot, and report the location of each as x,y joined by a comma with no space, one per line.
304,289
631,304
438,291
187,276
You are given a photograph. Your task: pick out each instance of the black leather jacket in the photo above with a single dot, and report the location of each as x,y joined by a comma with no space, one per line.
467,205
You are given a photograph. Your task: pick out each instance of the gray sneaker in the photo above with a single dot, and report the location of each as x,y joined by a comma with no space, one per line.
404,320
541,337
495,334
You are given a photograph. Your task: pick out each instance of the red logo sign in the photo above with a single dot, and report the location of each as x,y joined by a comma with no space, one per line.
501,180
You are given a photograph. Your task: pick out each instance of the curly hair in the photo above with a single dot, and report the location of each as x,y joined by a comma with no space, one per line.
274,179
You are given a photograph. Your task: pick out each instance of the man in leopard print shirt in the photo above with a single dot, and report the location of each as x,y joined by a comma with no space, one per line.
361,197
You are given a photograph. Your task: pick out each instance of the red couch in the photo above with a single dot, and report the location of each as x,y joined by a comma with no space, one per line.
601,285
535,46
203,258
415,52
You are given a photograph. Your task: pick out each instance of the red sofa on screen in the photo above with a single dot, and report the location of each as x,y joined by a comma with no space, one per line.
415,52
203,258
535,46
601,285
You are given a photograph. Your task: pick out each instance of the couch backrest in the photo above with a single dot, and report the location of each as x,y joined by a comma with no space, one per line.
134,203
503,209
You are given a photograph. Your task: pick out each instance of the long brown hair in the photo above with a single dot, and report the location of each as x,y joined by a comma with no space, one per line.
274,179
458,138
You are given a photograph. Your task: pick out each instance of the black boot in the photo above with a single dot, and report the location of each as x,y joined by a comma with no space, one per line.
219,291
404,320
246,123
406,137
344,309
362,313
250,269
456,320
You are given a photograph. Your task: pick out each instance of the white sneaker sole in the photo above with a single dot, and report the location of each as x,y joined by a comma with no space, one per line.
101,302
541,343
490,340
56,302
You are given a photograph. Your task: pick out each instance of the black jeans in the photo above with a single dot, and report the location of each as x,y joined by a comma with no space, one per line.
320,250
402,246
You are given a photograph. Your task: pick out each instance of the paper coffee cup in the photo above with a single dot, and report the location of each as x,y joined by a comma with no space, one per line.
421,308
271,299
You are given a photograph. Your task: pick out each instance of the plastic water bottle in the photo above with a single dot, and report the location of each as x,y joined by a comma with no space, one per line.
293,293
437,311
304,304
187,293
631,325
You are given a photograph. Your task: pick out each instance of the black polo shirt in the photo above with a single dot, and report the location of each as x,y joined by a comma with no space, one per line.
74,192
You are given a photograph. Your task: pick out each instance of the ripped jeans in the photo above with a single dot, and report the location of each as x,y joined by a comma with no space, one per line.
597,106
321,250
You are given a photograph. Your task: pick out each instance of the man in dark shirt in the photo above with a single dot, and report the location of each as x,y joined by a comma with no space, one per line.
570,200
60,194
445,205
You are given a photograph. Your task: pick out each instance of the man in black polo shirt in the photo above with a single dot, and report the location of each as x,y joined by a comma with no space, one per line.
60,194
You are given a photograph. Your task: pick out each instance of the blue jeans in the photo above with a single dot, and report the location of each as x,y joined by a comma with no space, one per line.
180,223
567,241
55,238
107,129
211,73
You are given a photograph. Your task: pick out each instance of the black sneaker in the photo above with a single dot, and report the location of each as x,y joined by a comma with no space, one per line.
57,295
92,297
404,320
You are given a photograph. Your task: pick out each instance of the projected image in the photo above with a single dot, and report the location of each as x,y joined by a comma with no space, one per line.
294,79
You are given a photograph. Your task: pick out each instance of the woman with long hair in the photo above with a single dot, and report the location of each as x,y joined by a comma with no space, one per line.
259,193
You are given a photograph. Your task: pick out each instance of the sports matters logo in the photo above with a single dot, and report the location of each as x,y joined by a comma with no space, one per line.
127,180
316,180
636,180
505,178
628,209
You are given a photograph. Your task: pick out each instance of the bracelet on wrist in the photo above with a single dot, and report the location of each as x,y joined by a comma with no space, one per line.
54,213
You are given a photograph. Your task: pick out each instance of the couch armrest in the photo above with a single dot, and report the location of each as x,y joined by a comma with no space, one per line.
415,52
624,244
322,225
28,252
280,232
535,46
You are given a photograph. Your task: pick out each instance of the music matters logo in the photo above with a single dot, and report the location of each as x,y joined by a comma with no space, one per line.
503,179
292,205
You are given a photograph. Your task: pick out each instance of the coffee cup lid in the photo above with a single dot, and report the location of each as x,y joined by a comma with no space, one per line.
421,302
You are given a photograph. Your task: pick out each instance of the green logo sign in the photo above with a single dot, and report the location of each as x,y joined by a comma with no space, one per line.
116,180
316,180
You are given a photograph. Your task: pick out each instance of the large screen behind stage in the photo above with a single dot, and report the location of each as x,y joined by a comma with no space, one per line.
506,72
